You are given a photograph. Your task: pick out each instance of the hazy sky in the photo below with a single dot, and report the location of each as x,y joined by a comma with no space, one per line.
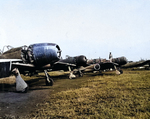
89,27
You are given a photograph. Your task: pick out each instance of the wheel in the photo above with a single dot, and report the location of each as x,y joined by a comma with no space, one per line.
80,74
121,71
50,82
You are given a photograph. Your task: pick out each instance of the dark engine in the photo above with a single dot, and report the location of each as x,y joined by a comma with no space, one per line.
41,54
81,60
120,60
77,60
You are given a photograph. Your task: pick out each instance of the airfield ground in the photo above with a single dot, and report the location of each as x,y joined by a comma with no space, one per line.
90,96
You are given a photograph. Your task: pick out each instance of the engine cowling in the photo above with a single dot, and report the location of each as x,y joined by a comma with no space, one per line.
81,60
41,54
97,67
120,60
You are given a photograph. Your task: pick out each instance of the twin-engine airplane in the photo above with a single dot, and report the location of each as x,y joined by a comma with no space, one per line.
103,64
37,58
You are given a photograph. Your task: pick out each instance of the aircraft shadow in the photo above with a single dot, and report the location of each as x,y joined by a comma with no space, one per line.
33,83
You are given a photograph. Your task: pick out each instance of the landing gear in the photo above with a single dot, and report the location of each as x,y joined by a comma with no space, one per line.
49,81
80,73
71,76
118,70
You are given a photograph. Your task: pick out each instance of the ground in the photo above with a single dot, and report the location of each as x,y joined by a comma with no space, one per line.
18,105
91,96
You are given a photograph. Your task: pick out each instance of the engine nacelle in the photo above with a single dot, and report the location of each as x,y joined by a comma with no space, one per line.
81,60
41,54
97,67
120,60
78,60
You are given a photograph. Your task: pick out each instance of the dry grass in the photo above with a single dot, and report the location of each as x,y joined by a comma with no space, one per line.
101,97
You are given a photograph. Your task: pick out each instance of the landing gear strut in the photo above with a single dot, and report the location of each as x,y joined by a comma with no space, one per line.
80,73
118,70
49,81
71,75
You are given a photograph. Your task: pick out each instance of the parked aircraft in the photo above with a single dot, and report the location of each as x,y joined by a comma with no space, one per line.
71,63
103,64
144,64
38,58
31,59
119,60
82,64
42,57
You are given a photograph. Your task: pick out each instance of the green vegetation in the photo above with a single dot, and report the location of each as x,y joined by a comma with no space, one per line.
101,97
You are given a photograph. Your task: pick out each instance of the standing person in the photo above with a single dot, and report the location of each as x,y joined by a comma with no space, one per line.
110,57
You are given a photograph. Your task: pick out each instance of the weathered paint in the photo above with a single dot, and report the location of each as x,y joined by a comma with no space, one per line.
43,53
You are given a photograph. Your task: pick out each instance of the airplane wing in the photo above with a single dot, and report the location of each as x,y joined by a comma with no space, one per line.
10,60
6,65
63,63
63,66
136,64
23,65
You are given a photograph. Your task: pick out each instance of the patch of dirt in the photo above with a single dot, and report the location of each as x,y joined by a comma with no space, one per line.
13,104
18,105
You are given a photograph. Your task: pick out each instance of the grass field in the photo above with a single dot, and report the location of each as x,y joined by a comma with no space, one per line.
101,97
